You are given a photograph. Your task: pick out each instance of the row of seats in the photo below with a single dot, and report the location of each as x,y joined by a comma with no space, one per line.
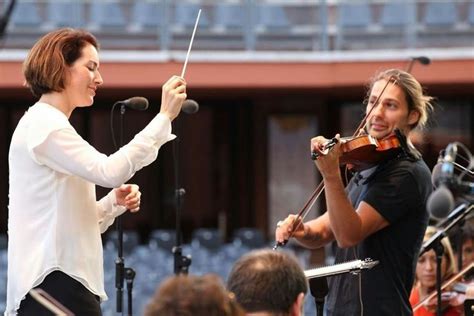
154,261
207,238
143,15
250,25
147,14
398,14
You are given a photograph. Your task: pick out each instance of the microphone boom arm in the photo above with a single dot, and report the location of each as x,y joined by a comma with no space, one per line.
436,238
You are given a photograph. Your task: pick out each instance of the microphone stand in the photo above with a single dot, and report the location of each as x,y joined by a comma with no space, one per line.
435,243
129,276
181,263
459,243
439,250
319,289
120,271
4,19
410,65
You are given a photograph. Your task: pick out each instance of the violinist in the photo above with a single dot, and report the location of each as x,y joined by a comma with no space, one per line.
381,214
425,282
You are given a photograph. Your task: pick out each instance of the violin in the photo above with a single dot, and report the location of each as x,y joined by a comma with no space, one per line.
365,151
458,287
451,299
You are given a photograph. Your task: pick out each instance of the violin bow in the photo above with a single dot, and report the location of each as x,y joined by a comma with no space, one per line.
320,188
303,212
444,286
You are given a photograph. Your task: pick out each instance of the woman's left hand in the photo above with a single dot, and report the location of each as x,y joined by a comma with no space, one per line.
128,195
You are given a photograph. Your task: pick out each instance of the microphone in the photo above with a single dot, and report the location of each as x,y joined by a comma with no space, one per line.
447,166
135,103
440,202
443,173
421,59
319,289
190,106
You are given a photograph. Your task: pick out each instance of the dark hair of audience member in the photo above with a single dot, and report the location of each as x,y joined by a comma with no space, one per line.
267,280
190,295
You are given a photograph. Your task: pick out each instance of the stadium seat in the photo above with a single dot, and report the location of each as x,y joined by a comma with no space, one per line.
272,17
186,14
229,16
163,238
130,240
440,14
147,15
26,14
107,15
354,21
208,238
354,15
470,14
65,13
249,237
396,14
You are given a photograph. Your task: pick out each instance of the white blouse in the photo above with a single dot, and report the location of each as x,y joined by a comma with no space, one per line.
54,220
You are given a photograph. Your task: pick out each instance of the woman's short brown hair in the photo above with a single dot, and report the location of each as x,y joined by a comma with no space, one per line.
45,65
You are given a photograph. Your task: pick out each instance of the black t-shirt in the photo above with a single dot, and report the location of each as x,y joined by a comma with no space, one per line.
398,190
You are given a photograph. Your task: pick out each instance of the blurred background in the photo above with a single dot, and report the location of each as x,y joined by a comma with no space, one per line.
268,76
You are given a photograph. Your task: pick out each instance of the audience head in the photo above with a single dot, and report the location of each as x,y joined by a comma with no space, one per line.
189,295
466,239
426,265
270,282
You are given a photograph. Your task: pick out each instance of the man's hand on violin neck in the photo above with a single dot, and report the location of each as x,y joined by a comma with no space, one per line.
328,159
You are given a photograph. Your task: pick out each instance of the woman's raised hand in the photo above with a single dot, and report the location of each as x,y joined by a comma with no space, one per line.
172,97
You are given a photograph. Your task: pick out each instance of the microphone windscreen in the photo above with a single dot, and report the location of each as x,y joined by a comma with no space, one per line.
436,174
440,203
318,287
190,106
424,60
137,103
